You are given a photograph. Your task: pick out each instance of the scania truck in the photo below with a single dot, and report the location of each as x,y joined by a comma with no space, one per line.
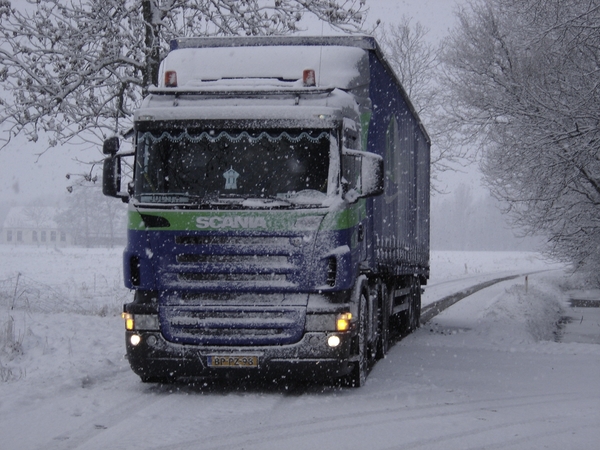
278,213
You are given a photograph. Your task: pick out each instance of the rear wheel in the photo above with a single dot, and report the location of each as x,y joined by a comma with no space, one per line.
411,316
416,298
414,306
383,342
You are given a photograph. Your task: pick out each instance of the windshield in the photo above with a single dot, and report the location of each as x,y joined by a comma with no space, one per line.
198,166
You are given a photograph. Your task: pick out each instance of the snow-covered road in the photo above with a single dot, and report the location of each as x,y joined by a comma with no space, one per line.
489,372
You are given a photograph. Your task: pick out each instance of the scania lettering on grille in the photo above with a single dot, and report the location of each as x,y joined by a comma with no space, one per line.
231,222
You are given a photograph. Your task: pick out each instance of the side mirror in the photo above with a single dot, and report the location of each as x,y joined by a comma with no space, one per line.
111,146
111,169
372,175
364,173
111,178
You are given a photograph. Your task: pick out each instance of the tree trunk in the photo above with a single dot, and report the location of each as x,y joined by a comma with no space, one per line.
151,40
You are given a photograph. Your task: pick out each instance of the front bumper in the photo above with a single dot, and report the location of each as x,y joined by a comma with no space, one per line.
156,358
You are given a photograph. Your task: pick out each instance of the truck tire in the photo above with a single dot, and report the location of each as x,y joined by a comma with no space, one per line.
410,318
358,376
414,310
383,342
417,305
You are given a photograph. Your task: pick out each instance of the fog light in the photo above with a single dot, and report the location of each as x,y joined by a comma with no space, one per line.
135,339
333,341
151,340
343,322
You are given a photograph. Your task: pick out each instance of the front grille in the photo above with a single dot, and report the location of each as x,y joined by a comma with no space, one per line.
232,325
241,262
232,240
201,240
231,277
231,259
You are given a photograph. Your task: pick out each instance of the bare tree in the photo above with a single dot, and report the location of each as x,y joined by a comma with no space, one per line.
83,65
417,65
524,81
414,60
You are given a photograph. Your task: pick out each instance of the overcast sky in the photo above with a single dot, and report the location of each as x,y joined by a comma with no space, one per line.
437,15
24,176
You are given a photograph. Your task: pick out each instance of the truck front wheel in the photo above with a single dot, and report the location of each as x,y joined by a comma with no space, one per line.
358,376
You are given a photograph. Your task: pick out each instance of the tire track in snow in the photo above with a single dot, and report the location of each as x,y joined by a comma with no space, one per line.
116,414
256,435
532,436
533,439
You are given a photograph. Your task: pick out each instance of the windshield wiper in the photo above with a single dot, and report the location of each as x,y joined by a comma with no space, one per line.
224,200
179,199
265,200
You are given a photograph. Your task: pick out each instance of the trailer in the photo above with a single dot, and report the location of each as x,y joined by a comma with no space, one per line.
278,216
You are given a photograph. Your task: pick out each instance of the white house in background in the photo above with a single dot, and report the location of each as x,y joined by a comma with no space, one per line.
33,225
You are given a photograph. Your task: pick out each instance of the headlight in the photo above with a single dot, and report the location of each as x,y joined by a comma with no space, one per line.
147,322
333,341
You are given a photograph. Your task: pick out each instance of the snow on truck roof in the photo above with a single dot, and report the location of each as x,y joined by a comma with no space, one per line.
361,41
268,62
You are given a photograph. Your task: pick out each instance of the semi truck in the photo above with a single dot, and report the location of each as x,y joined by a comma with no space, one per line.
278,211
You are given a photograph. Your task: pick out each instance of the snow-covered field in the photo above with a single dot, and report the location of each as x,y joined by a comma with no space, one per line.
493,371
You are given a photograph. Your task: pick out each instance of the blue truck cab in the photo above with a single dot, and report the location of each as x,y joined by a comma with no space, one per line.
278,214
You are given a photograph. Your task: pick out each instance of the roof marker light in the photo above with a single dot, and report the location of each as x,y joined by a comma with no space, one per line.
170,78
308,78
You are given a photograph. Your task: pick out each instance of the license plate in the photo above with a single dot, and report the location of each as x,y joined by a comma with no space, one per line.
232,361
